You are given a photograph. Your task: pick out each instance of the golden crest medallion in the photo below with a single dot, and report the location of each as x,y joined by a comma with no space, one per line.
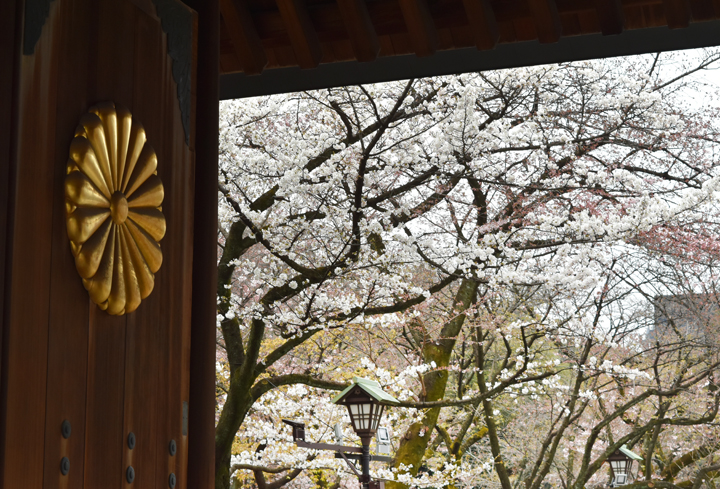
112,199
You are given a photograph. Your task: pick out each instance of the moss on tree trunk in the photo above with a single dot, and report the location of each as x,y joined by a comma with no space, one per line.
417,437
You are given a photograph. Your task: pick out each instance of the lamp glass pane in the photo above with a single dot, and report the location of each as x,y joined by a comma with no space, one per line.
364,411
359,421
353,414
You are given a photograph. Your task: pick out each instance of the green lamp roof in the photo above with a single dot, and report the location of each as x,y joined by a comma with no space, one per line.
371,387
629,453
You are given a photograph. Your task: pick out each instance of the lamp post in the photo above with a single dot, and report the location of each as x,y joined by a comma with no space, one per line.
621,462
363,400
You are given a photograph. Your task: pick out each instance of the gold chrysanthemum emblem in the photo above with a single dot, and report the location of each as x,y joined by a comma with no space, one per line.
112,198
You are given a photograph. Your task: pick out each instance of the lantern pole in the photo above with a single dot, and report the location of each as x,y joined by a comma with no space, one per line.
365,464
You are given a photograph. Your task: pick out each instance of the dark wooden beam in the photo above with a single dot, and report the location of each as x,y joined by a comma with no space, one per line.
420,26
363,37
245,39
547,20
482,22
677,13
610,16
201,412
10,54
302,34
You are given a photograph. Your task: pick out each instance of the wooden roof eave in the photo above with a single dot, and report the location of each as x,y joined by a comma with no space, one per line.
290,79
301,44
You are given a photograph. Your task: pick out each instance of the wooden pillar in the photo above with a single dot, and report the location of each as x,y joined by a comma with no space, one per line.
10,17
201,456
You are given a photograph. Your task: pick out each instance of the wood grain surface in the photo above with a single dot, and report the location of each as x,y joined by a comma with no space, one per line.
459,24
64,358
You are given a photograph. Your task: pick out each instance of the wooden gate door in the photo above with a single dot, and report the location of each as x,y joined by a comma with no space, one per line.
90,399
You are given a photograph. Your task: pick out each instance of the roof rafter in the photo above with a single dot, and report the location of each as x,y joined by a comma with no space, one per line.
610,16
482,21
302,34
547,20
363,37
420,26
244,36
677,13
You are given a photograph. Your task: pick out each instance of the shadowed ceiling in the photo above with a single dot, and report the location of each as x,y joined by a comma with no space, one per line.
259,35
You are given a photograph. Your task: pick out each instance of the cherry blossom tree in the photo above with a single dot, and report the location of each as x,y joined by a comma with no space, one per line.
465,241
